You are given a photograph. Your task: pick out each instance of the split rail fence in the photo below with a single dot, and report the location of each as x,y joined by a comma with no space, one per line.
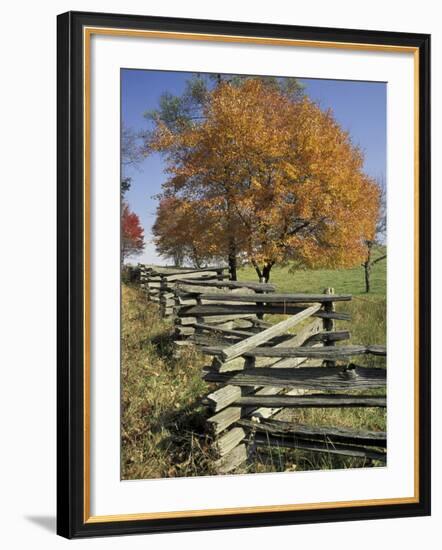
260,369
291,364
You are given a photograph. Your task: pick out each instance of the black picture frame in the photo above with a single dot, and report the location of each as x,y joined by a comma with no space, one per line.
71,520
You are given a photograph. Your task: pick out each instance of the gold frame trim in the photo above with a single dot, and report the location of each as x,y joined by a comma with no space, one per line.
87,34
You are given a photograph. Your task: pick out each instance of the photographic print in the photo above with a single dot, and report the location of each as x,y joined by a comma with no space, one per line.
253,274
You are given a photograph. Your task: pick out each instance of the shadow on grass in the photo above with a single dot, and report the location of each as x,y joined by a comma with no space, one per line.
187,443
179,422
163,344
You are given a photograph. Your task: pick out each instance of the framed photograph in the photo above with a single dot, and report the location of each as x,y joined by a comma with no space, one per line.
243,274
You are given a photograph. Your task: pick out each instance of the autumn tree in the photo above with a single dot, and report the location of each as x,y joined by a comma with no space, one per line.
132,234
274,173
167,234
372,245
187,232
180,113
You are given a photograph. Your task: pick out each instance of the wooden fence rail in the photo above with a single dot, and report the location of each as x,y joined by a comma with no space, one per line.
222,309
313,400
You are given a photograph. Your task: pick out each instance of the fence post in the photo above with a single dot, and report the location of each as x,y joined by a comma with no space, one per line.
329,324
144,282
162,290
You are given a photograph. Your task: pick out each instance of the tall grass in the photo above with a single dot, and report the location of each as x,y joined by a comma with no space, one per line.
162,420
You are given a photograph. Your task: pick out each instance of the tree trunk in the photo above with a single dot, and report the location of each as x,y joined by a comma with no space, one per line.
367,266
232,260
266,272
259,273
367,269
178,258
231,234
195,259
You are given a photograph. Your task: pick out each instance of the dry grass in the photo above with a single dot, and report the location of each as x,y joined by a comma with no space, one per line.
162,431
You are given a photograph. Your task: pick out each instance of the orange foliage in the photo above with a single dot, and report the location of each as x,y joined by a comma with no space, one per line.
278,175
186,230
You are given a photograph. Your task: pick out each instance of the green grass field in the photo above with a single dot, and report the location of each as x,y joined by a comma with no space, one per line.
345,281
162,416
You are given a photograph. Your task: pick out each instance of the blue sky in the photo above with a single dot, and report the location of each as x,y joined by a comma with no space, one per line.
359,107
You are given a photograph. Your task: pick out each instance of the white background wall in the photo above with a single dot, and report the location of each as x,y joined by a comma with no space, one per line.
27,229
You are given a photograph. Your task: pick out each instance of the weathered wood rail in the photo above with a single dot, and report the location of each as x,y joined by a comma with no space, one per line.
299,431
312,378
283,309
313,400
321,353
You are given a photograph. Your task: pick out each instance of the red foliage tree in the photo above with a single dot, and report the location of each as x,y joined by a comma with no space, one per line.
132,234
